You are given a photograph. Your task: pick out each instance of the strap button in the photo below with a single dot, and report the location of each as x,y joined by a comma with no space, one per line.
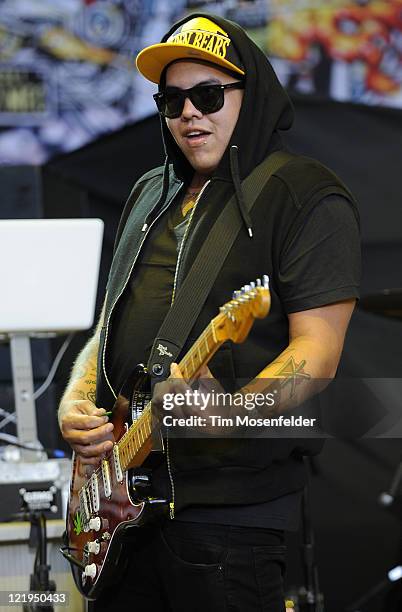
157,369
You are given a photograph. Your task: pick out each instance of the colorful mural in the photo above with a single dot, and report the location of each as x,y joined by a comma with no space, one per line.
67,71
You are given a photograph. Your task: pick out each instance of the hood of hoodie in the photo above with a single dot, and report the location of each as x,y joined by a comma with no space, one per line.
265,110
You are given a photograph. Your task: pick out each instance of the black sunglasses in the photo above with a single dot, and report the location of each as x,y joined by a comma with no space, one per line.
206,98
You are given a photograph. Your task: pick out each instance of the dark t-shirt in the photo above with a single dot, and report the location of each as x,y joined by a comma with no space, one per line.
148,295
320,266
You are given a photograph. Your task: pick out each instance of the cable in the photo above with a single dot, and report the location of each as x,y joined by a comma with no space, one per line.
11,417
49,379
55,453
9,438
14,441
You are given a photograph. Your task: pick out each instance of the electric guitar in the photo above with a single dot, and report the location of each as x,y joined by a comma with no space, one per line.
108,503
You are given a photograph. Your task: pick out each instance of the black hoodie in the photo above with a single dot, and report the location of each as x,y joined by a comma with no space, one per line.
301,277
266,108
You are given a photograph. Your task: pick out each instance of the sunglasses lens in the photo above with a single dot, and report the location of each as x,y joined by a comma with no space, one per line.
208,99
170,104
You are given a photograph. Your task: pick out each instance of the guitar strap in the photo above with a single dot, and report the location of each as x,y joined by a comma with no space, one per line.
195,288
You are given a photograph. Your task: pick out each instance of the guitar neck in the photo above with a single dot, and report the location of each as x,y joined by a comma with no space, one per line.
137,440
201,352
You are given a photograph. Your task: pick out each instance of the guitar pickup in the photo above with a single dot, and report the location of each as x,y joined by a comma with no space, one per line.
117,466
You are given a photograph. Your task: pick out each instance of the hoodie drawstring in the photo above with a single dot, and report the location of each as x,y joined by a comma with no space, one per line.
234,171
162,197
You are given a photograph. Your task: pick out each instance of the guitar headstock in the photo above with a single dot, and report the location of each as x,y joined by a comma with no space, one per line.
236,317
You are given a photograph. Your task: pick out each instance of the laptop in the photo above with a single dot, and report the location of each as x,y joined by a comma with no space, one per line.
49,272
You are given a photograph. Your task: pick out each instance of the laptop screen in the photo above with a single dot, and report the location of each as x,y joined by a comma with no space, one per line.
49,272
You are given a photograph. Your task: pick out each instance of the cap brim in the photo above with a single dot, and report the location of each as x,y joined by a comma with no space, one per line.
152,60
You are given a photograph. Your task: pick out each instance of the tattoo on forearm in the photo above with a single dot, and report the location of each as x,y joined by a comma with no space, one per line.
91,395
292,374
80,393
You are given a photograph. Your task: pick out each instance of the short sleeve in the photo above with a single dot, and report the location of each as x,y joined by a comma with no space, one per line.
322,264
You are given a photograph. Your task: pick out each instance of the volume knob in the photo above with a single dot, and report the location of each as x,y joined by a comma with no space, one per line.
94,547
90,570
95,523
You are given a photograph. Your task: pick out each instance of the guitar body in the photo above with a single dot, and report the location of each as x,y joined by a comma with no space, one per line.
108,503
104,510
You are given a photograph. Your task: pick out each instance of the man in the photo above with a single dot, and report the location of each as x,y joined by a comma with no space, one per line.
221,109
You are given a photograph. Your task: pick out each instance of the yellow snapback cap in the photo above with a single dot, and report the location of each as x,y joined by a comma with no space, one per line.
199,38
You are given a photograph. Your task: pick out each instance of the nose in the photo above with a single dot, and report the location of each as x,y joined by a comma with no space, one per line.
189,110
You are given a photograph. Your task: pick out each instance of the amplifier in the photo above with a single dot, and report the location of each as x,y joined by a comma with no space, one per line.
42,486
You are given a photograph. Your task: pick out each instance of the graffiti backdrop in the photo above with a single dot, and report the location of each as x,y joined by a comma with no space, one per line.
67,66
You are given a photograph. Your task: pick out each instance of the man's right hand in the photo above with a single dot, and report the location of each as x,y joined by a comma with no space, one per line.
86,428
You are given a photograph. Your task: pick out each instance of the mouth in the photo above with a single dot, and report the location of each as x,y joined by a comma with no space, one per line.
195,138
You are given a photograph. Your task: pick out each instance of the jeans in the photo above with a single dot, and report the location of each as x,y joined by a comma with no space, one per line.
198,567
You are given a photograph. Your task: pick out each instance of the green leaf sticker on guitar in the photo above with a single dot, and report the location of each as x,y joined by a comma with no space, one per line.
77,523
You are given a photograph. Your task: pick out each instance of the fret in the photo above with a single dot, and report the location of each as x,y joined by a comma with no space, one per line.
199,352
206,344
149,425
213,332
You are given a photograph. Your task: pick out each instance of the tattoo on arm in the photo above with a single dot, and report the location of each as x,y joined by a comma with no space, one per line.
292,374
91,395
80,393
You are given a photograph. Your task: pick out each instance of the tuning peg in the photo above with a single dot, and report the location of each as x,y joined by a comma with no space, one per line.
252,284
266,281
258,282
